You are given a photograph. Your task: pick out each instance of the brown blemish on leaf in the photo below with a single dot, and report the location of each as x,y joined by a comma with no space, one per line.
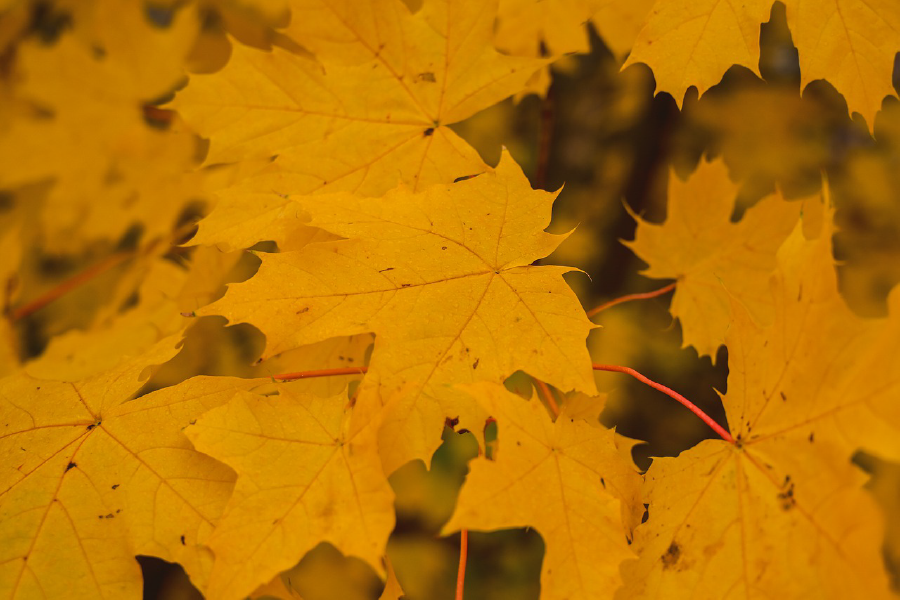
671,556
786,496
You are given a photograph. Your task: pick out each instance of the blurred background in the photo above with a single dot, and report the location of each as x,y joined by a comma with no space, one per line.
600,134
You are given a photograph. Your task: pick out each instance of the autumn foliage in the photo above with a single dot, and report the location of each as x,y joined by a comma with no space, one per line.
267,270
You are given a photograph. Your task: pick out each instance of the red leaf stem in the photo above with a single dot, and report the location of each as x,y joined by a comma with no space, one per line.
69,284
630,297
321,373
463,554
672,394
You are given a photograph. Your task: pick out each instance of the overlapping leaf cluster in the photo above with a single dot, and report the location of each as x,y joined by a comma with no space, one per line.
390,247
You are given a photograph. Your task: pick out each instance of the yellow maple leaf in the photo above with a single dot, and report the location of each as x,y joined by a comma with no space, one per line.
566,480
781,512
849,43
714,260
166,293
559,27
150,53
524,27
89,479
466,248
303,478
385,115
85,129
533,28
769,520
620,22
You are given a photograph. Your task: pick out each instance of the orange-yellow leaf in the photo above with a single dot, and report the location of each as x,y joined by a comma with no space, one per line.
386,119
850,43
781,518
782,513
444,279
566,480
88,480
714,260
362,127
86,130
302,479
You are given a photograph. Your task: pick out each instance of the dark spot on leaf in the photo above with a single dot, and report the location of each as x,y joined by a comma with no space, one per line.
115,486
603,482
71,465
671,556
182,541
544,50
462,431
428,132
405,284
475,364
442,248
302,310
783,397
161,16
385,270
451,423
786,496
812,437
426,76
464,177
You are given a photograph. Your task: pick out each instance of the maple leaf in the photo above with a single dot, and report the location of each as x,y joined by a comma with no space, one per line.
90,479
619,23
467,248
850,43
565,479
781,511
303,478
725,524
535,27
80,121
167,291
714,260
365,126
